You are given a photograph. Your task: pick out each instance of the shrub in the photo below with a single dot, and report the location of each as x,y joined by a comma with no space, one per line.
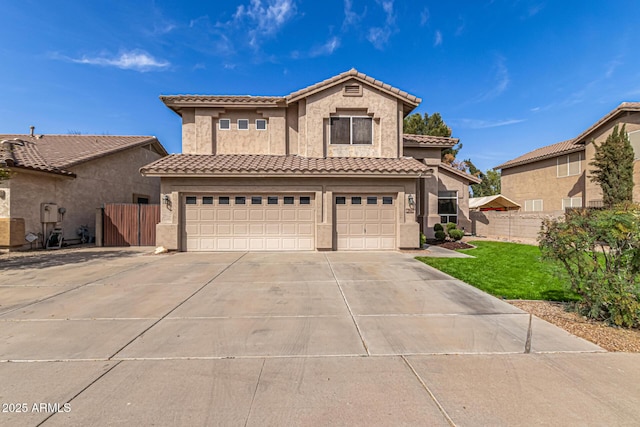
456,234
600,252
438,227
440,235
423,239
451,226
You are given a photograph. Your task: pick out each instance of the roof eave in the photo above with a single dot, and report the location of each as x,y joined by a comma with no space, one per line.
538,159
251,174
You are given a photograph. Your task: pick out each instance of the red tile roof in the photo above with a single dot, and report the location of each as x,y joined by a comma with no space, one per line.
243,164
57,153
546,152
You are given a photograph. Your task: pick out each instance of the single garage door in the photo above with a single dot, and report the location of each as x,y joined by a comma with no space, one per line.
248,222
365,222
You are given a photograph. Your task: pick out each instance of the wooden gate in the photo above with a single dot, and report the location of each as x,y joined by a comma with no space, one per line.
129,224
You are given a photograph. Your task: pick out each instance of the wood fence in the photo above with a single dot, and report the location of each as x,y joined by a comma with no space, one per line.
129,224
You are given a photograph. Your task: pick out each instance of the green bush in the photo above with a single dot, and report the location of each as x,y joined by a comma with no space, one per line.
423,239
600,252
440,235
451,226
438,227
456,234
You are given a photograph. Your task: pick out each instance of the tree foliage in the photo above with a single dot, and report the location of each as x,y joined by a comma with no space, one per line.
613,163
600,252
490,184
4,173
432,125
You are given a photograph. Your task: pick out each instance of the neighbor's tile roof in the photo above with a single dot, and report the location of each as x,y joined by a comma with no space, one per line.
222,164
57,153
412,140
623,107
549,151
353,73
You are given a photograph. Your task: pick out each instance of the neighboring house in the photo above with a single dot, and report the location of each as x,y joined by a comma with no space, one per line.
556,177
64,178
324,168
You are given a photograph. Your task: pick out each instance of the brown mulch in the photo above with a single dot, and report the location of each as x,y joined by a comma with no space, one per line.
455,245
608,337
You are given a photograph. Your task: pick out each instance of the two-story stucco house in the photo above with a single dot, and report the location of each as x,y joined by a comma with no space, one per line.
323,168
556,177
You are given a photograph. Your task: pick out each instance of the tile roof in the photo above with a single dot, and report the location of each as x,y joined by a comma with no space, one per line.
57,153
353,73
546,152
241,164
175,102
412,140
471,178
623,107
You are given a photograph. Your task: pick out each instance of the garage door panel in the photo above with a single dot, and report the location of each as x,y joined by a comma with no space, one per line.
365,226
250,226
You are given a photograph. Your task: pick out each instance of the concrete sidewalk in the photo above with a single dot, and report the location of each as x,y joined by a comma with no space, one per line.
290,339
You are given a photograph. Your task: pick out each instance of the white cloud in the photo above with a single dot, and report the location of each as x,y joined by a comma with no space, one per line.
265,19
326,49
350,17
502,81
485,124
379,36
438,38
137,60
424,16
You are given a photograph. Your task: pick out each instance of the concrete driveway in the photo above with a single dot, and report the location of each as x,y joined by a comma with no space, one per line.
287,339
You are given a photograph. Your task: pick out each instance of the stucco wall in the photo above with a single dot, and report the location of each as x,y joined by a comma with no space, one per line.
632,123
514,226
540,181
111,179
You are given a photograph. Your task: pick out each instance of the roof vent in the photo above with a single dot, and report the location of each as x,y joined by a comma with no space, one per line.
33,129
352,90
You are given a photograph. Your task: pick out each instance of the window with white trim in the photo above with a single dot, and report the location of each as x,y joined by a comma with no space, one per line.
448,206
261,124
569,165
224,124
351,130
634,138
572,202
534,205
243,124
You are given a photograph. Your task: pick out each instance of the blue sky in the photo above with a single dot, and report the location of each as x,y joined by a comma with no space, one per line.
507,76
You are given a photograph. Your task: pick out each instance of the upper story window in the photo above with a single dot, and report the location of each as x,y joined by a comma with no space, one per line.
634,138
352,130
569,165
261,124
224,124
243,124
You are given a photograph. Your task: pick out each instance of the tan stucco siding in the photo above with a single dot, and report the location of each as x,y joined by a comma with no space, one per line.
382,108
632,123
540,181
252,141
111,179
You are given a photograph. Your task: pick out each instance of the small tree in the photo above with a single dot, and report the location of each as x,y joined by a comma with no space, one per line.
613,163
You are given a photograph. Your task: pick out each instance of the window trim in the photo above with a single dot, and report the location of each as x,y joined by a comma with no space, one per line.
351,129
449,195
242,120
265,124
566,164
571,202
220,124
533,205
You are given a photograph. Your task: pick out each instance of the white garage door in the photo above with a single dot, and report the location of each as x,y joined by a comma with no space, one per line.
365,222
248,222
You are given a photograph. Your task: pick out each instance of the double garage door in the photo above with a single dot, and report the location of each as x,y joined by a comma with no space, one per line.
285,222
249,222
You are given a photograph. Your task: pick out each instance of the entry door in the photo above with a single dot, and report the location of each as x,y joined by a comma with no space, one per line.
365,222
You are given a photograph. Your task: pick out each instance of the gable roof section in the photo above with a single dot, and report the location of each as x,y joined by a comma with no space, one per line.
410,100
57,153
177,102
411,140
273,165
620,109
467,177
549,151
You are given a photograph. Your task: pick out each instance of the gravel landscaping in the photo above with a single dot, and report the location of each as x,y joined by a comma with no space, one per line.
608,337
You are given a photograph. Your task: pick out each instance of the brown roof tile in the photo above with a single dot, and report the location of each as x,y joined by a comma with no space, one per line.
237,164
546,152
57,153
624,107
462,174
428,141
353,73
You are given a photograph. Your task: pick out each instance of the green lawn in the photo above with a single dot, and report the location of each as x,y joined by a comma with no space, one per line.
507,270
